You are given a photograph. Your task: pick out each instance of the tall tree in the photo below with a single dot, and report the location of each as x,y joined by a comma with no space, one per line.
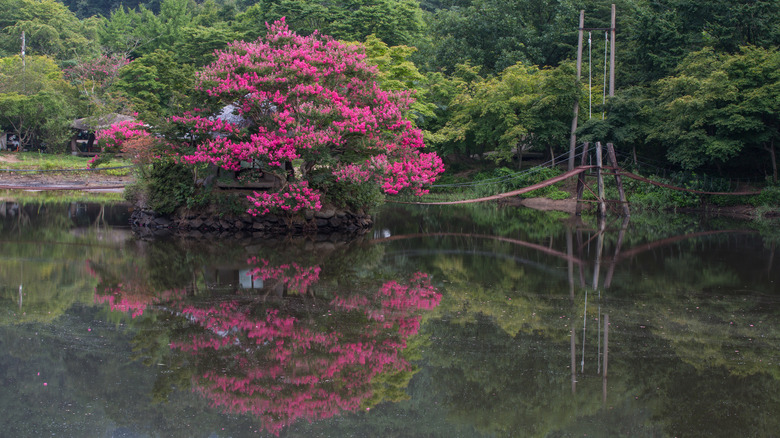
156,85
719,106
311,100
36,103
49,27
523,108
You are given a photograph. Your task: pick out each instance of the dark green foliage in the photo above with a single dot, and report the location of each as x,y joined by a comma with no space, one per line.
170,186
503,179
353,196
156,85
770,196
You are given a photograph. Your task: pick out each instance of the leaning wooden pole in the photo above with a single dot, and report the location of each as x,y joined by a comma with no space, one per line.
581,180
618,180
573,137
602,212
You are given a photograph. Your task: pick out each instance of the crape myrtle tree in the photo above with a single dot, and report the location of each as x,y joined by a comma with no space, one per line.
310,111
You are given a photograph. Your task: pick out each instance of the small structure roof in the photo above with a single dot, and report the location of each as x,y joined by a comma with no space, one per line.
98,122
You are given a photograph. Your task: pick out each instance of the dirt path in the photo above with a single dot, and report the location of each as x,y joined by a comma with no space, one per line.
88,181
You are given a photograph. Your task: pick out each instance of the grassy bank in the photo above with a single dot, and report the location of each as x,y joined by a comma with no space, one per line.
22,161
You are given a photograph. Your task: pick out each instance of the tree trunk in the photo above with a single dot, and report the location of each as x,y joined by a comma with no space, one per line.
773,159
552,157
288,167
520,158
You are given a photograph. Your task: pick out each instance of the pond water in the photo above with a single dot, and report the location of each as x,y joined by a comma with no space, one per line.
444,322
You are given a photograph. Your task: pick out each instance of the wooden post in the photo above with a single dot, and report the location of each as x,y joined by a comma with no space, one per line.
612,54
581,180
573,137
602,212
618,180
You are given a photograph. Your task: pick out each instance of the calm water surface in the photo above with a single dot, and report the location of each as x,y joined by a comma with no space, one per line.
445,322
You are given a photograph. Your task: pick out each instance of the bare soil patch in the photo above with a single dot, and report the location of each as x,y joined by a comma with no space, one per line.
73,180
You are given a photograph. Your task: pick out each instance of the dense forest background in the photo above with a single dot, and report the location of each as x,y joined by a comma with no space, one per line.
698,82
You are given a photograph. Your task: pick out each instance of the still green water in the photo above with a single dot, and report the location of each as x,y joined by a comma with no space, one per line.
445,322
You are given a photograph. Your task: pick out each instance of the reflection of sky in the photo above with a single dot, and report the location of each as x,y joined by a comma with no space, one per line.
249,281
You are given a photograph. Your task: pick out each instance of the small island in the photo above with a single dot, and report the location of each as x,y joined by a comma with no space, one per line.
294,136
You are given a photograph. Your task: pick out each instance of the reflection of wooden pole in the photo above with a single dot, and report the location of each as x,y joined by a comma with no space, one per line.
599,250
602,212
570,253
573,137
573,362
579,256
611,270
606,351
581,180
618,180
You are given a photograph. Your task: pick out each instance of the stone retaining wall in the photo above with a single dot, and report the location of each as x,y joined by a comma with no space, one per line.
329,222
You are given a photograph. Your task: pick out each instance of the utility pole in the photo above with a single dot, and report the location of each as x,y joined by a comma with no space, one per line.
24,43
573,137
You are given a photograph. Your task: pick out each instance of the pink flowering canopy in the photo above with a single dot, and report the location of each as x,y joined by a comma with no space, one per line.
115,136
309,101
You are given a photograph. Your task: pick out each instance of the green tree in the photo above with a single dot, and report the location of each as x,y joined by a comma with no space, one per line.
36,103
156,85
663,32
49,28
397,73
523,108
719,106
394,22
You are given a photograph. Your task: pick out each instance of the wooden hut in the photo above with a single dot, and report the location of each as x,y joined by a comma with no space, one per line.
83,140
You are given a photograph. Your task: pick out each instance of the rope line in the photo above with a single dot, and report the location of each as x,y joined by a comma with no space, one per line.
514,176
680,189
575,171
530,188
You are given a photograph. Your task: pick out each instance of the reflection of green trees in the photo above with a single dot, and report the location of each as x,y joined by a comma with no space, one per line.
45,252
507,386
93,386
501,351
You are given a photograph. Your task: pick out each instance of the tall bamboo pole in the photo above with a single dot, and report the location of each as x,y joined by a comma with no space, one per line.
612,54
573,137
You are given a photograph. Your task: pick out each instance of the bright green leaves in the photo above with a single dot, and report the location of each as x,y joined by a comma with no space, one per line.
523,108
155,84
49,27
718,105
35,101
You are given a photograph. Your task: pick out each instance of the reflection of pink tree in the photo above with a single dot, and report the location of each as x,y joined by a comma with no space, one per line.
295,277
130,293
283,364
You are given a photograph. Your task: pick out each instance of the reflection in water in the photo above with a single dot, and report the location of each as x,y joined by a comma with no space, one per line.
282,354
504,335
